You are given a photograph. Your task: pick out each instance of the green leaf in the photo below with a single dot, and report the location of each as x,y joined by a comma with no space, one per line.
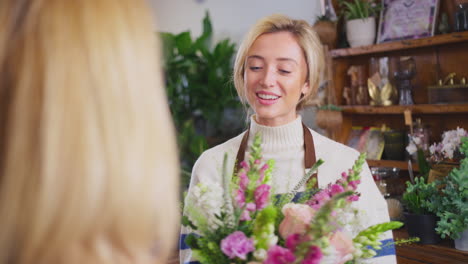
184,43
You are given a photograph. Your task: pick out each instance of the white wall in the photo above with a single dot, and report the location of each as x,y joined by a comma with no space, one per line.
230,18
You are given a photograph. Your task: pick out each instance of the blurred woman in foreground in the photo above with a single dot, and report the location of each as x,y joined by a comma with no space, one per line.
88,168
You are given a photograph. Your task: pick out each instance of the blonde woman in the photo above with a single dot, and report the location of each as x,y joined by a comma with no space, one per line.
88,168
276,73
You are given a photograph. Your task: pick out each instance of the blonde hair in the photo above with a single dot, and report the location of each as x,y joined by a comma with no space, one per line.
306,38
88,164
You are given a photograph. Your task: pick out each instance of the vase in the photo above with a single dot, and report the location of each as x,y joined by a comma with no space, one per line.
462,242
422,226
360,32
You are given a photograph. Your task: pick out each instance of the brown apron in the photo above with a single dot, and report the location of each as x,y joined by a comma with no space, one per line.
309,152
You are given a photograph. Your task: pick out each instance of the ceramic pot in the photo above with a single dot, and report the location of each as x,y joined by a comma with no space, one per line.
422,226
462,242
360,32
326,30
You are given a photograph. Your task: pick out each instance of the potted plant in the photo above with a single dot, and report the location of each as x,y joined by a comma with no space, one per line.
420,220
452,205
326,30
200,91
360,16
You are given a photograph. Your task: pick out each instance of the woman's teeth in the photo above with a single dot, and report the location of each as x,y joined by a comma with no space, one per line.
267,96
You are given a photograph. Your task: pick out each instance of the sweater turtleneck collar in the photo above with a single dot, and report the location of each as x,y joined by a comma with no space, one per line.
278,138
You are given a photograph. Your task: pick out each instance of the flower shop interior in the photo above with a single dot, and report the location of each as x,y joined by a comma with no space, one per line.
395,87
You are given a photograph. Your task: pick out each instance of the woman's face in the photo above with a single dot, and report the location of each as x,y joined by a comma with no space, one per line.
275,77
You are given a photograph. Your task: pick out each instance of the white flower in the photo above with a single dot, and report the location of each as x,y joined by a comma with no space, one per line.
207,199
411,148
260,254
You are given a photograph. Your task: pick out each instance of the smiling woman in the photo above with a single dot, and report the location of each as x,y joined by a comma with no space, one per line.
275,78
277,72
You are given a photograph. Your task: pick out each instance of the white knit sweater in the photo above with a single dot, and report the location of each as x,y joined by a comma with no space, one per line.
284,144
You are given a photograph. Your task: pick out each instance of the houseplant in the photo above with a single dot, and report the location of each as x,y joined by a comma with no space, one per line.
199,89
452,205
360,16
420,220
326,30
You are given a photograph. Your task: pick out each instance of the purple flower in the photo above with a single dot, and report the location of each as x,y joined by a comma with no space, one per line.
279,255
237,245
261,195
314,256
336,189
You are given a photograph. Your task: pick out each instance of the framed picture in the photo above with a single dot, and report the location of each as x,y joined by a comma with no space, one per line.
407,19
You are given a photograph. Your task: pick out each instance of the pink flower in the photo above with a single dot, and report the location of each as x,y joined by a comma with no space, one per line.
293,240
279,255
257,161
240,198
344,175
354,184
353,198
343,245
314,256
243,180
237,245
319,199
261,195
250,207
244,165
297,218
336,189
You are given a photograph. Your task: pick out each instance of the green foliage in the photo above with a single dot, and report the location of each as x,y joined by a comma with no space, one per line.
331,107
417,195
197,75
368,240
424,166
452,205
323,18
358,9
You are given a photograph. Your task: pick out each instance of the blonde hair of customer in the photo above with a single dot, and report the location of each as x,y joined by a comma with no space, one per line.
307,40
88,165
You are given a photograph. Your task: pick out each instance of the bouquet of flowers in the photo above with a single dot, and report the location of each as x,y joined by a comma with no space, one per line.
251,225
448,148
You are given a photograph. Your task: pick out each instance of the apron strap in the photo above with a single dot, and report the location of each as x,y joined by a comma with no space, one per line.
309,152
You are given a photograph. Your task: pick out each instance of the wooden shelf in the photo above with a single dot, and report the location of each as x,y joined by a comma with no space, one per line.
402,45
441,253
399,109
402,165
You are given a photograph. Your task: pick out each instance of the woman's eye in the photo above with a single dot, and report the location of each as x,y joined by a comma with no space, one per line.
255,68
284,71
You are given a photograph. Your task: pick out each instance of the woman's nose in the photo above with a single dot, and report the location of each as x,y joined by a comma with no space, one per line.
269,78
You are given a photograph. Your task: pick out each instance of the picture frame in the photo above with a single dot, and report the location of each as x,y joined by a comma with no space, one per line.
407,19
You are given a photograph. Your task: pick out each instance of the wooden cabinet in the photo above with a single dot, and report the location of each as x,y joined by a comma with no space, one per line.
435,58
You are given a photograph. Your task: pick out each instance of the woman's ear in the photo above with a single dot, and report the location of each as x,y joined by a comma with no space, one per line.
305,89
